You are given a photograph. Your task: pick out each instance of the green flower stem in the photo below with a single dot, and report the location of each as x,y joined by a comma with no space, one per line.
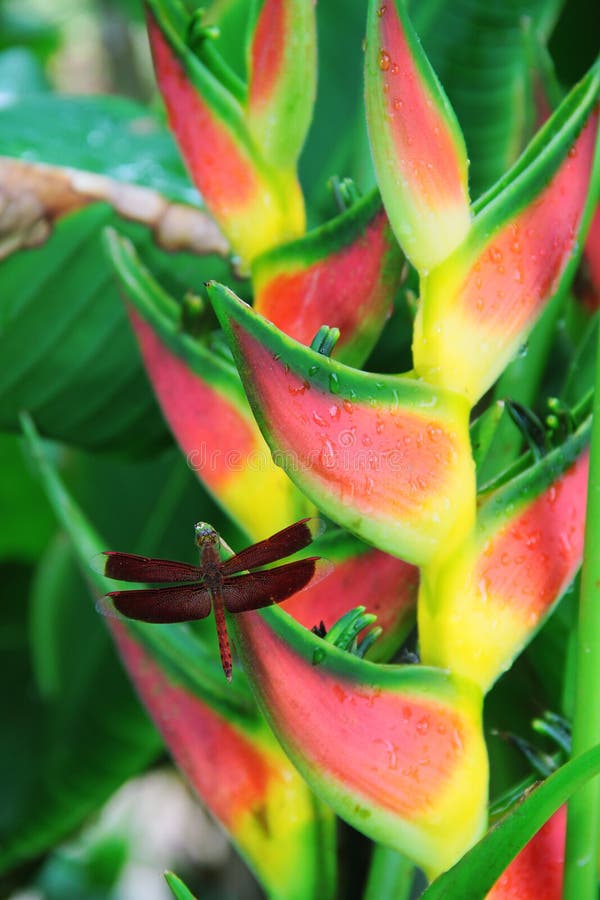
390,875
583,829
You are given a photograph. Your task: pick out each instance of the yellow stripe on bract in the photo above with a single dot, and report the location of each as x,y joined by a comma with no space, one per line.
281,837
261,497
461,812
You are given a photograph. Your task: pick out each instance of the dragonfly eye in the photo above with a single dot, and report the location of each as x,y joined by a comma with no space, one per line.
205,534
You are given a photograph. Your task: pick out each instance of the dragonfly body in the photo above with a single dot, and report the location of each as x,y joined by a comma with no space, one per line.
207,541
215,583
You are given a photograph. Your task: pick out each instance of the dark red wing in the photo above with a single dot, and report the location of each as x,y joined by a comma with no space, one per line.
129,567
182,603
278,546
258,589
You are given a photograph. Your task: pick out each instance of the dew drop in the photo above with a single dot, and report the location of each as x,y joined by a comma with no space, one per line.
328,455
334,383
296,389
348,407
313,370
382,10
384,60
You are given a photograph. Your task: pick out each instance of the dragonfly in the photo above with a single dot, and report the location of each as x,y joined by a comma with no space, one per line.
215,584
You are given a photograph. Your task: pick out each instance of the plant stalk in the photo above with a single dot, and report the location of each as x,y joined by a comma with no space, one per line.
583,821
390,875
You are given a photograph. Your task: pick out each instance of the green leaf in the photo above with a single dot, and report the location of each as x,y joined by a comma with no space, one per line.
23,506
66,753
107,135
21,73
68,356
178,888
478,51
473,876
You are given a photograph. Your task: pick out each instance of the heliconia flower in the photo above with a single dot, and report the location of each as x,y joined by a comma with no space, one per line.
478,307
256,205
417,144
241,775
537,872
397,751
361,576
204,404
282,78
387,457
478,610
344,274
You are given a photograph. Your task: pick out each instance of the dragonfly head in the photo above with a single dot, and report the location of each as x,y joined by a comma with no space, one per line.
205,535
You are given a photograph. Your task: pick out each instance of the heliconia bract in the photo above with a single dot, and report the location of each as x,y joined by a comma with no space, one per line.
417,144
478,307
344,274
282,71
536,873
396,750
387,457
478,610
203,402
255,204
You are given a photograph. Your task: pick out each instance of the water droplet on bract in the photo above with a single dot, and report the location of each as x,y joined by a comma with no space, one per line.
573,152
334,383
395,68
313,370
423,725
348,407
319,420
397,104
328,455
382,10
296,389
523,350
384,60
495,255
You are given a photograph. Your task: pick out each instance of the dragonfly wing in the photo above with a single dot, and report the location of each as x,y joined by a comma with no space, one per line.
129,567
291,539
183,603
259,589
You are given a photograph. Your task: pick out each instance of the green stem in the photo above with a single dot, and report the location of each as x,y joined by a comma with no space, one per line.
583,829
391,875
